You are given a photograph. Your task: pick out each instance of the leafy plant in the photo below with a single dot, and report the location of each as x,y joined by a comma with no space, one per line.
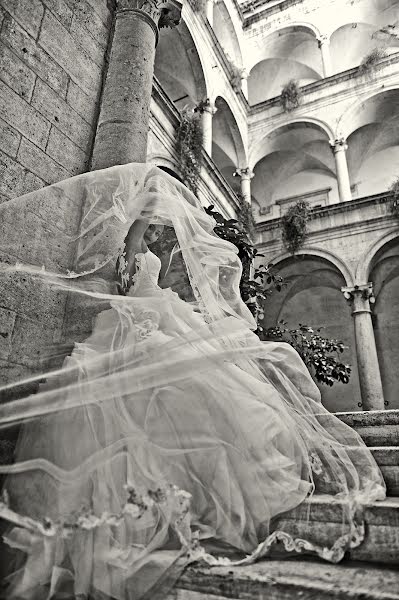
291,96
394,189
253,279
321,355
371,60
189,141
294,225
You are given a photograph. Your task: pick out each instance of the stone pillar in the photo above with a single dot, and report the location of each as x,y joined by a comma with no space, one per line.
207,109
244,82
245,177
209,11
324,45
339,148
123,123
360,297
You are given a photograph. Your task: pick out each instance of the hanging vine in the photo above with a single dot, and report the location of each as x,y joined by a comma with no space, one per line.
294,226
371,61
291,96
394,189
189,142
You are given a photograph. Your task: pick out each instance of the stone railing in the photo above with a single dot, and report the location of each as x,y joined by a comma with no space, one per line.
315,199
329,85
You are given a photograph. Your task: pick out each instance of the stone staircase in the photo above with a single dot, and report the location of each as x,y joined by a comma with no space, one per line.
368,572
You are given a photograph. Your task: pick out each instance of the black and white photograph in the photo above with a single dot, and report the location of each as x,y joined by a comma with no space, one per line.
199,299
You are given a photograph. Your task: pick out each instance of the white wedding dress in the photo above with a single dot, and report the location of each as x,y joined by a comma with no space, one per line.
172,433
218,432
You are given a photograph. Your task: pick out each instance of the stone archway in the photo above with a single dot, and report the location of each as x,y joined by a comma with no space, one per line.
384,274
228,151
291,161
313,297
288,53
179,69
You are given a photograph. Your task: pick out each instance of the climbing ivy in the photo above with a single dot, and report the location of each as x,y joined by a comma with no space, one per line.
189,141
291,96
371,61
294,226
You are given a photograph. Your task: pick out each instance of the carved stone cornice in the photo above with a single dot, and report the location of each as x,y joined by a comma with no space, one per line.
157,13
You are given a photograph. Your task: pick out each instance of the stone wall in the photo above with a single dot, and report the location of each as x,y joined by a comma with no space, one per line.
52,60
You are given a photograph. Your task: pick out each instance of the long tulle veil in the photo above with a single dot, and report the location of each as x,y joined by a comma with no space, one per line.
170,429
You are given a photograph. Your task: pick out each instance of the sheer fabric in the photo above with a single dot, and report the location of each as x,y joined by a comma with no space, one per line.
171,433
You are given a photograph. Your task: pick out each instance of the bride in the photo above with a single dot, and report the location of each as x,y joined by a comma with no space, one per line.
171,433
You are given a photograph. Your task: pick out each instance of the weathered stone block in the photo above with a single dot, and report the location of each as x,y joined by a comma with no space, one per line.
15,180
28,13
103,8
36,58
90,47
61,10
10,139
31,298
31,342
92,21
65,152
7,321
56,110
85,105
34,159
15,73
25,119
59,43
10,373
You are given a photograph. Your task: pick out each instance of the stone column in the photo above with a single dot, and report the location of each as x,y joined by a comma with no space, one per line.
339,148
123,123
244,82
324,45
245,177
209,11
360,297
207,109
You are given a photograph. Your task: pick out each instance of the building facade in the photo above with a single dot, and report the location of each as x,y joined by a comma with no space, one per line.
338,149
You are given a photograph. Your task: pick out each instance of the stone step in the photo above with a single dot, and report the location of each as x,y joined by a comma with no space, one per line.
298,579
319,519
376,427
387,458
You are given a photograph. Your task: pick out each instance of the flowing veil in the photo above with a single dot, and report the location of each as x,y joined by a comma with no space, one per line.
170,433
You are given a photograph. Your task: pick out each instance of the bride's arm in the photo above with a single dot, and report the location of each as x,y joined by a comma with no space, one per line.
133,246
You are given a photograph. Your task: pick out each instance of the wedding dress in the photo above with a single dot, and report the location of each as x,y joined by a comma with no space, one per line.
170,434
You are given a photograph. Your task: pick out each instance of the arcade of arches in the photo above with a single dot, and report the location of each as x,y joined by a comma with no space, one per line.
345,151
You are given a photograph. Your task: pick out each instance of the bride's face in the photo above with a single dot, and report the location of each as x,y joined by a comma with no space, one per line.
152,233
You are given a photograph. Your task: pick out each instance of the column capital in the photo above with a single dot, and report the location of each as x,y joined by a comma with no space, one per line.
244,73
244,174
206,106
339,145
157,13
359,297
323,40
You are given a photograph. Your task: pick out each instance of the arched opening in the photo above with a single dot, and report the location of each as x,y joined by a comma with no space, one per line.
227,146
312,297
178,67
226,34
296,162
385,277
373,143
290,53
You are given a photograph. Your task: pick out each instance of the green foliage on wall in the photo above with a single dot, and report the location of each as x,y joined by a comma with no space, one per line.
291,96
294,226
189,141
